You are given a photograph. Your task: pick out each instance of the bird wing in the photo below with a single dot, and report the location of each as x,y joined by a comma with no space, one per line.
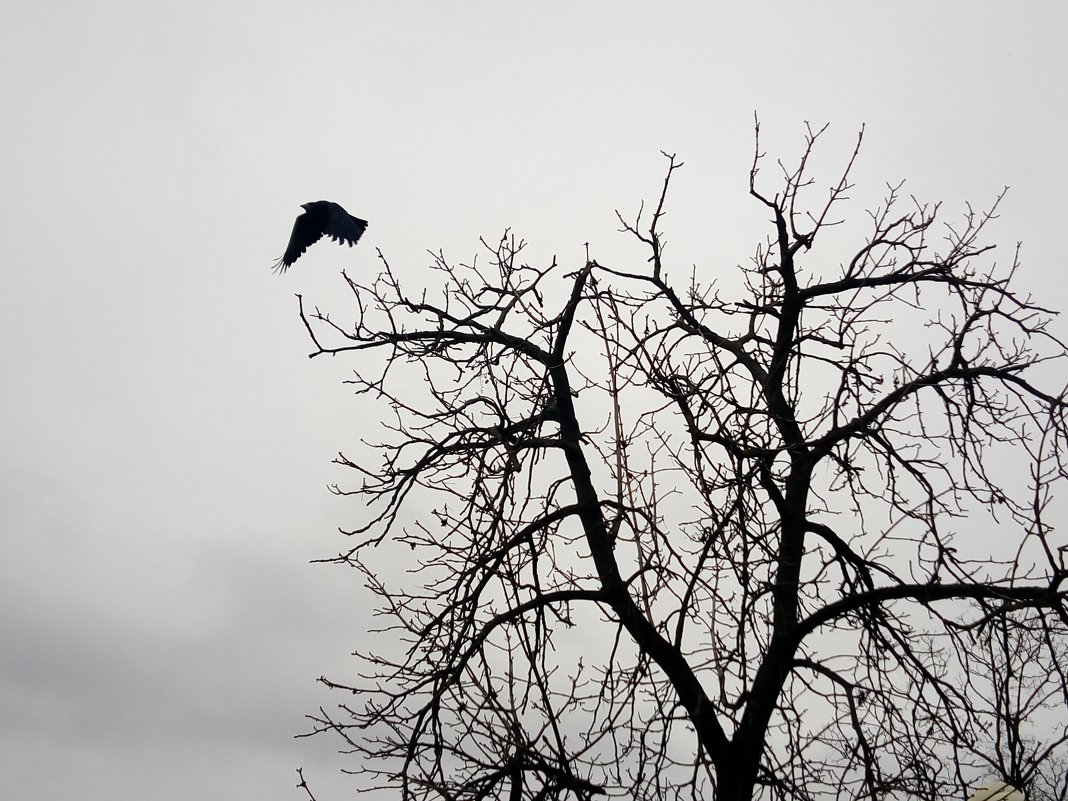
306,232
342,226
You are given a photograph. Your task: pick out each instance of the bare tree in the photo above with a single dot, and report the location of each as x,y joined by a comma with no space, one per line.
1016,686
662,542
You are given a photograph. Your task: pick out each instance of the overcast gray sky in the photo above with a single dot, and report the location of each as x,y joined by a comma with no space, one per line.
165,441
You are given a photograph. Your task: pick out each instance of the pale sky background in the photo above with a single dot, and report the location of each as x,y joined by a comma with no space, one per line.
165,443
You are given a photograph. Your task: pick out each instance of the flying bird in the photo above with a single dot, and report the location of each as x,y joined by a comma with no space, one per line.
320,217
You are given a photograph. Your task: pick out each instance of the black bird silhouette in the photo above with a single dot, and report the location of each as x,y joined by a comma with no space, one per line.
320,217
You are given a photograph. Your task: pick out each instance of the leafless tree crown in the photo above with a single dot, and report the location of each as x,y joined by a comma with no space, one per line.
660,542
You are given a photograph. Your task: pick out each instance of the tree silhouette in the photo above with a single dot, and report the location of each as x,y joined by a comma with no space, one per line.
664,540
